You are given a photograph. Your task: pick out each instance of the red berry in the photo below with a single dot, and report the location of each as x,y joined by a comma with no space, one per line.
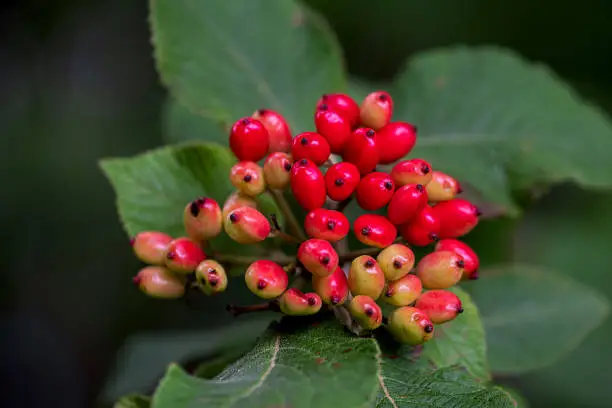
249,140
151,246
457,217
374,230
406,203
237,200
246,225
329,225
442,187
440,305
266,279
311,146
279,133
440,270
333,127
375,191
365,277
295,303
333,289
366,312
248,178
277,170
376,110
318,257
404,291
159,282
342,104
470,259
396,261
423,229
341,180
361,150
308,184
395,140
184,255
202,219
410,325
211,277
413,171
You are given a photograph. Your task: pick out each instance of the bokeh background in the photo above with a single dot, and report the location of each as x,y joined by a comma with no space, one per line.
77,83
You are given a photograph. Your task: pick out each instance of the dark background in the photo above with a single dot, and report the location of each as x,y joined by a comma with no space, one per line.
77,83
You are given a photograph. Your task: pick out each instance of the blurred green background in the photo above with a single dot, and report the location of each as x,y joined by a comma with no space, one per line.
77,83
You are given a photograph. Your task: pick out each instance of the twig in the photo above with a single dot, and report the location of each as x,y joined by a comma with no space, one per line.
288,214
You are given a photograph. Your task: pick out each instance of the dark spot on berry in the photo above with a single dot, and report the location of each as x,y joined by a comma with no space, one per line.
323,107
304,141
212,271
428,328
370,133
348,350
324,97
331,224
339,182
245,121
247,178
459,190
365,231
132,241
460,310
474,276
261,284
233,218
201,201
369,263
136,280
213,281
170,255
389,292
433,236
477,211
460,263
388,185
194,208
382,97
334,300
425,169
419,187
262,112
325,260
369,312
287,166
397,264
303,162
312,301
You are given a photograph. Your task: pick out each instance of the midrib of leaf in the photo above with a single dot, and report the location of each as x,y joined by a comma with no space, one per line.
464,361
381,378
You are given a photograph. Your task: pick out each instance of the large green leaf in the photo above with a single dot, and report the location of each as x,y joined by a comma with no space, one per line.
326,366
532,317
182,125
133,401
225,59
499,122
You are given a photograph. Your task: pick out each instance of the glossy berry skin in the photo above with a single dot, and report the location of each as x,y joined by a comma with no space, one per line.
376,110
396,261
237,200
423,229
279,133
295,303
342,104
375,191
151,246
404,291
406,203
308,184
249,140
470,259
246,225
329,225
440,269
266,279
365,277
203,219
184,255
248,178
442,187
332,289
361,150
277,170
410,325
396,140
413,171
440,305
318,257
334,127
457,217
366,312
341,180
374,230
211,277
311,146
159,282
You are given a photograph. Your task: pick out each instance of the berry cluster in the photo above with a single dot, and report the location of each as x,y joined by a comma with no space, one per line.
324,170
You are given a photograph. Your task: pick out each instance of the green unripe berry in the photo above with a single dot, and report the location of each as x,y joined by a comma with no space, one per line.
440,269
404,291
248,178
333,289
318,257
396,261
410,325
151,246
202,219
159,282
366,312
295,303
266,279
246,225
211,277
365,277
277,170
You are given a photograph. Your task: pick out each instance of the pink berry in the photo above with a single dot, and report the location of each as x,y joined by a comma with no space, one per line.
266,279
470,259
279,133
375,191
246,225
413,171
457,217
311,146
151,246
184,255
342,104
329,225
277,170
332,289
318,257
440,305
341,180
406,203
376,110
423,229
249,140
374,230
202,219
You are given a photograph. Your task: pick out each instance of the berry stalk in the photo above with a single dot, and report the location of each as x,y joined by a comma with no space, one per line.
288,214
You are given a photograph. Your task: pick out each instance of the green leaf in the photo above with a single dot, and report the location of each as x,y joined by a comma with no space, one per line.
533,317
133,401
498,122
519,400
326,366
182,125
461,341
225,59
